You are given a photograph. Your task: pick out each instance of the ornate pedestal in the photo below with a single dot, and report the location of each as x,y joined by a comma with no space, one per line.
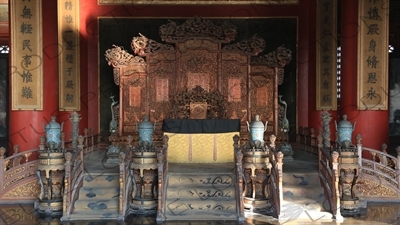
287,151
50,173
257,170
145,180
348,172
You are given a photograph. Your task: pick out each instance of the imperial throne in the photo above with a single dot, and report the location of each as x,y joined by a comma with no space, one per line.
201,88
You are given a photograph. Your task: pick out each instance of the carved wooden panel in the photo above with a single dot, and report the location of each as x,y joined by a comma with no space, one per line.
198,44
132,101
234,86
199,67
200,62
263,95
162,89
162,78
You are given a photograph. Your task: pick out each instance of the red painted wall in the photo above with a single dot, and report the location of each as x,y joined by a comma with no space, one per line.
372,125
25,126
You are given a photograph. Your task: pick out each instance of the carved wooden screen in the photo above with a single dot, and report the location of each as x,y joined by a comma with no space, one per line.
196,54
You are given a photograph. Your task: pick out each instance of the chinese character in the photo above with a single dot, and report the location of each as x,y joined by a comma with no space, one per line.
69,58
326,98
325,85
26,44
26,60
327,6
372,61
68,19
327,20
325,46
26,13
70,85
373,14
27,92
372,78
373,29
326,72
373,1
26,76
371,94
69,71
70,45
68,5
325,59
372,45
326,32
26,28
69,98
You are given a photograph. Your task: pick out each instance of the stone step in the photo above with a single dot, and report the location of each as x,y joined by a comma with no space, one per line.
90,215
101,180
98,197
98,205
98,193
201,196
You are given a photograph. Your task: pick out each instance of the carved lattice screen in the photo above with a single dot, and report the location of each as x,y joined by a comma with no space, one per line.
197,53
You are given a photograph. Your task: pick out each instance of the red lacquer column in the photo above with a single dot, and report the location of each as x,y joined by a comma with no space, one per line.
25,127
372,125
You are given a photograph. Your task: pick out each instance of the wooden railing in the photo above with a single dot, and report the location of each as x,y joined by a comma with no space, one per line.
380,167
125,181
239,178
15,171
329,179
74,170
307,140
276,181
162,162
374,166
18,178
73,180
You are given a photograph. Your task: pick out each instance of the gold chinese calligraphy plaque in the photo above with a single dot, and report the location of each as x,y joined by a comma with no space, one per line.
373,55
68,60
326,65
201,2
26,57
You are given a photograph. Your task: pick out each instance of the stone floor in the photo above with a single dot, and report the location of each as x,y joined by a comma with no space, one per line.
375,214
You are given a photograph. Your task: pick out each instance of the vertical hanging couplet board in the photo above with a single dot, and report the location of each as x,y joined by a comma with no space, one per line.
326,89
373,55
26,55
68,55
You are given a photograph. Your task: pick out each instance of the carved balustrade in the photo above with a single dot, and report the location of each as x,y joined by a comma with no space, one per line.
74,169
18,181
380,173
239,177
276,181
328,165
162,166
18,172
125,183
307,140
73,178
